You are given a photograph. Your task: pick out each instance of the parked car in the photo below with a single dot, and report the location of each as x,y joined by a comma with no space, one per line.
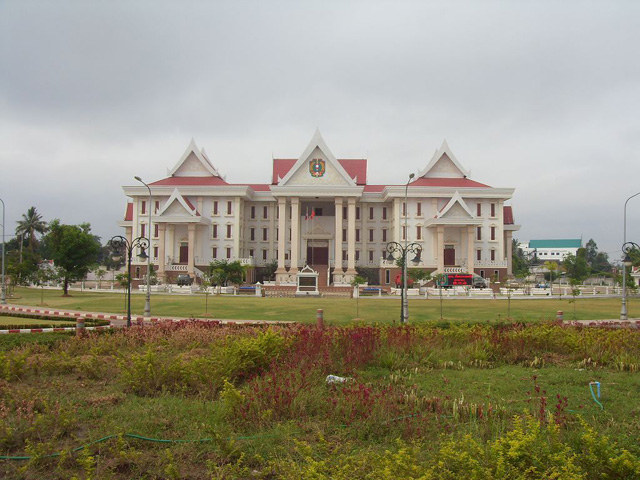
184,280
542,285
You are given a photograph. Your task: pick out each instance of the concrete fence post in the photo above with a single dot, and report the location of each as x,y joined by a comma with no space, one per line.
320,318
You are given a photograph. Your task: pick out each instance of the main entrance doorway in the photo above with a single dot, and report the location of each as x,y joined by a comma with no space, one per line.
318,259
184,253
449,255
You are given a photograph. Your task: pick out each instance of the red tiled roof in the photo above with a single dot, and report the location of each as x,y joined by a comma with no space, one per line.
374,188
280,168
186,200
259,187
355,168
508,215
190,181
447,182
128,215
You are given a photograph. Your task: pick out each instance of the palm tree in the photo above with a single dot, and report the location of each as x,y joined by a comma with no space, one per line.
31,224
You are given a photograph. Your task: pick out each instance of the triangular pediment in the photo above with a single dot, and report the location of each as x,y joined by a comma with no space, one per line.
318,230
194,163
317,167
443,164
456,209
177,205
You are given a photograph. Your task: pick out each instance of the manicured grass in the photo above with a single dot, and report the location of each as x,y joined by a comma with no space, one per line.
336,310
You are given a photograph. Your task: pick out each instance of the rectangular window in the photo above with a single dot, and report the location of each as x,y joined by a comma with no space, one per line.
157,206
419,213
493,255
357,255
370,213
357,213
387,277
418,233
215,207
344,255
229,230
371,234
253,211
156,230
265,212
229,207
478,209
155,252
143,230
252,234
371,255
344,212
384,234
214,252
479,255
228,252
404,232
344,234
264,254
214,230
277,234
404,209
143,208
493,233
384,213
265,234
357,234
289,234
493,209
479,233
251,252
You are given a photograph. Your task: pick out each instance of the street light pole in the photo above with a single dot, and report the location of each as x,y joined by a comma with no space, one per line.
118,244
623,309
147,303
626,262
405,299
3,300
394,248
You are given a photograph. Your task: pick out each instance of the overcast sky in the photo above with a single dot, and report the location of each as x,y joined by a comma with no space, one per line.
542,96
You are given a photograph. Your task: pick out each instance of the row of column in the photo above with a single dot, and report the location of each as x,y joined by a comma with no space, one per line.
295,234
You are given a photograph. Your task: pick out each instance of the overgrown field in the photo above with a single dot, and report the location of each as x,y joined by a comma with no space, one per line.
450,402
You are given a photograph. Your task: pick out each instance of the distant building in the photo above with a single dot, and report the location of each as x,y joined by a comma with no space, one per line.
551,250
320,211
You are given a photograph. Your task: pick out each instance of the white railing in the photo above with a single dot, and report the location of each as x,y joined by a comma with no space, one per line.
207,260
176,268
453,269
490,264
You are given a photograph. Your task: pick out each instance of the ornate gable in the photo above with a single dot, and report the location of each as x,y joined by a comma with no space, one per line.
177,205
194,163
317,166
443,164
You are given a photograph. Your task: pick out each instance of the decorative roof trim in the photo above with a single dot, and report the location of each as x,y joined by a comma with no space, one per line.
444,149
317,142
457,198
190,209
200,155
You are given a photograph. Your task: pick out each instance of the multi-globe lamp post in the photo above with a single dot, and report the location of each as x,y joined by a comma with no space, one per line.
397,251
121,245
147,303
627,262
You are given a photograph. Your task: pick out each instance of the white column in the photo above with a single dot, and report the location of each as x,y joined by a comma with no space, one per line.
337,243
295,233
192,247
440,248
351,237
162,227
509,241
282,233
470,250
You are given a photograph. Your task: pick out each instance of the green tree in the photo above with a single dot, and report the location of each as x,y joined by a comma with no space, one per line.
576,265
30,225
73,250
224,272
520,263
100,273
598,261
419,275
552,268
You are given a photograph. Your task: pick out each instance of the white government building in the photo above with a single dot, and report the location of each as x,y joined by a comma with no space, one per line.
319,211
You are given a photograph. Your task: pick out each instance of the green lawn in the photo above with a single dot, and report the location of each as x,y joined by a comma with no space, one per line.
336,310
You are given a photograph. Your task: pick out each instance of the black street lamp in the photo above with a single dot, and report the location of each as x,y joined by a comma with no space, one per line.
627,262
397,251
120,244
